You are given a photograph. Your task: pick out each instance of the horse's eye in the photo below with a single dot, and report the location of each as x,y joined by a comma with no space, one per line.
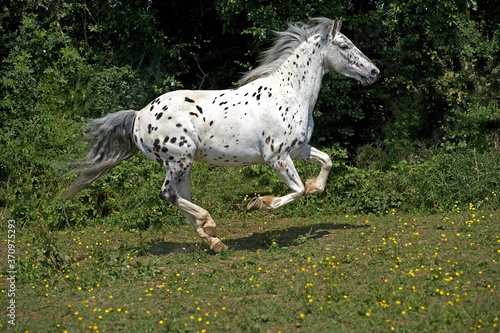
344,46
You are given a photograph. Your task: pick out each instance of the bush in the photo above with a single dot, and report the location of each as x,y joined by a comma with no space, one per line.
452,178
438,180
434,179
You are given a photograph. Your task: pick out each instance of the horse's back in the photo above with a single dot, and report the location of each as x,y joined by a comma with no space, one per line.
214,126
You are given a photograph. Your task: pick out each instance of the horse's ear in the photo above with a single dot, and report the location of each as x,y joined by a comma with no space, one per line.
338,24
335,27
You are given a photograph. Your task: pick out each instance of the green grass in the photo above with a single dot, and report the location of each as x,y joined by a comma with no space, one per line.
403,273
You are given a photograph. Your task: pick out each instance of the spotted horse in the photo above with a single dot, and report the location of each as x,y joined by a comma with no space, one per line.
267,118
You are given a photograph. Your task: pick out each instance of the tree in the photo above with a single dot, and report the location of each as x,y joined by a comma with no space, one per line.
441,69
65,61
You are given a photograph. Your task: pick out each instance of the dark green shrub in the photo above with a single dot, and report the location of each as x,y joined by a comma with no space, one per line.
452,178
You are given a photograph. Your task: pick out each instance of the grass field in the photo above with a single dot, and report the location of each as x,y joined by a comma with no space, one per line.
368,273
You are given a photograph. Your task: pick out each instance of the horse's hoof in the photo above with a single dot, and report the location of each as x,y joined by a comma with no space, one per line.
218,247
310,187
254,204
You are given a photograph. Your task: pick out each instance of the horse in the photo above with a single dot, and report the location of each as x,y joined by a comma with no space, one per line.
267,118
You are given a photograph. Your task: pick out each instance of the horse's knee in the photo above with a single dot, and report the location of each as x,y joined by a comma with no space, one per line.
168,194
328,163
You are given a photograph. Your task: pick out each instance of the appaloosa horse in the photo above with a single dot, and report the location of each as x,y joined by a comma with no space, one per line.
268,119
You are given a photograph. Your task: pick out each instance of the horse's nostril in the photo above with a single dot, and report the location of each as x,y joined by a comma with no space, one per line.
375,72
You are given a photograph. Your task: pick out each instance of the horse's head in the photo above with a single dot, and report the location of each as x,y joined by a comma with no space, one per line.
343,57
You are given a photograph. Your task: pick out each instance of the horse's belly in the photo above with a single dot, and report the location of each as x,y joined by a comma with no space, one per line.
223,156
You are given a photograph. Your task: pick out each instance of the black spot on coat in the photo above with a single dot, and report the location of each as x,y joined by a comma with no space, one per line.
156,145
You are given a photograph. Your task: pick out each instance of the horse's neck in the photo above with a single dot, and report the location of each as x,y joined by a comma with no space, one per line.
302,73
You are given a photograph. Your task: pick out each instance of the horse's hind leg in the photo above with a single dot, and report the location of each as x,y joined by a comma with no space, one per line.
176,190
199,218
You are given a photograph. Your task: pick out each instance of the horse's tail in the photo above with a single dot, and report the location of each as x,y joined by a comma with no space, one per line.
111,139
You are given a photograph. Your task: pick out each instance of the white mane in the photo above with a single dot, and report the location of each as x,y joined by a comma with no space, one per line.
286,42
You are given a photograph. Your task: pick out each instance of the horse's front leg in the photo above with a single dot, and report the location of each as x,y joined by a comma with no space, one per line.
318,184
287,172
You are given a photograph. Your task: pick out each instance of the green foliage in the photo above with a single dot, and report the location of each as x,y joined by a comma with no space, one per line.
367,191
438,179
448,179
442,86
65,62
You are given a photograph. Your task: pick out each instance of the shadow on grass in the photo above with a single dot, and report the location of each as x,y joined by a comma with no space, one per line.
283,237
291,236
